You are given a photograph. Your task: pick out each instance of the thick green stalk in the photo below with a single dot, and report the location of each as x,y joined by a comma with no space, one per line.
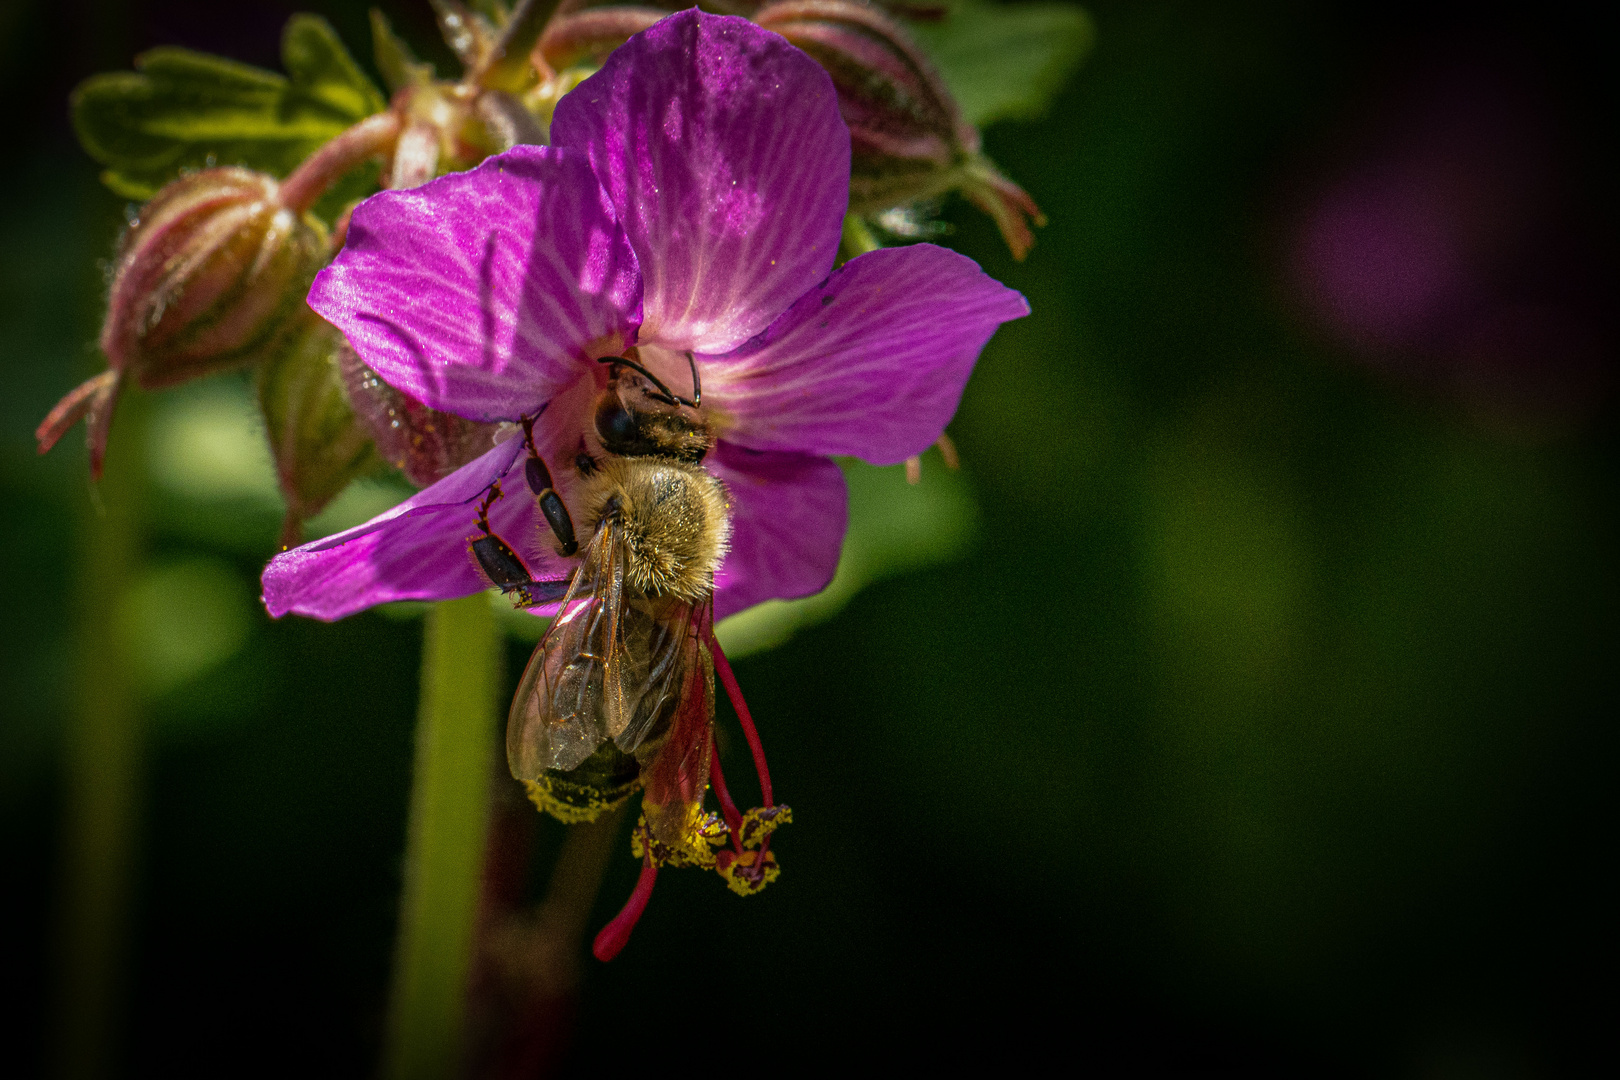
102,772
444,855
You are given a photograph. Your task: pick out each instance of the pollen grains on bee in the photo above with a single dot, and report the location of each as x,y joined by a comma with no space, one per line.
675,522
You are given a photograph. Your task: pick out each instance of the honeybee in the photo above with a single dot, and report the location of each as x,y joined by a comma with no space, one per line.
620,691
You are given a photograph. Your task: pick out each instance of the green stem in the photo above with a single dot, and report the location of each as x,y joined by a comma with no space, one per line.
102,760
455,738
857,238
508,67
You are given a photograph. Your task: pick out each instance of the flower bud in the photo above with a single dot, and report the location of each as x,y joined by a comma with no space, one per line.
908,140
318,443
423,443
212,275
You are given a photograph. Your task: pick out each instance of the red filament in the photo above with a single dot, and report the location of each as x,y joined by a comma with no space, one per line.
616,934
728,808
734,692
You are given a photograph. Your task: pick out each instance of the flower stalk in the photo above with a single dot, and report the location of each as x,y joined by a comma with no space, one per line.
102,779
526,984
371,137
444,852
507,66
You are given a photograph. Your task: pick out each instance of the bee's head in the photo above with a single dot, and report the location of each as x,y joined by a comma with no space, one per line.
637,416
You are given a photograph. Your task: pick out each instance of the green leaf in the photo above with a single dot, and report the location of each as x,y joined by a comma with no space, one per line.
184,110
399,66
319,65
1007,61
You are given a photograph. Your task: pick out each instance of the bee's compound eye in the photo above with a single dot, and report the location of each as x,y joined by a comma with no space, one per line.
614,424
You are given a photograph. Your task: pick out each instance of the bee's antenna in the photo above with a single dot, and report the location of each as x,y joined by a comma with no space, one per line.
697,387
664,393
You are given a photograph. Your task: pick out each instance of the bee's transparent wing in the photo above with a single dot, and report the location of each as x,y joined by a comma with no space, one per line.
559,715
646,674
675,765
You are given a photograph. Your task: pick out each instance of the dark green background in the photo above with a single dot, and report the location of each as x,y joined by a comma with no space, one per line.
1269,726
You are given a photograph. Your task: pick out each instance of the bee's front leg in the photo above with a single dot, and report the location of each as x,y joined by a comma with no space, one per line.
504,567
545,493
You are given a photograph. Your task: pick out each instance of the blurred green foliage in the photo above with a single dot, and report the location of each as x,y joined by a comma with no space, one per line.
1255,715
894,527
182,109
1007,61
183,620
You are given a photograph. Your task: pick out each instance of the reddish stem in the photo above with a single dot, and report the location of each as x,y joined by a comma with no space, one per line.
571,38
723,668
371,136
616,934
728,807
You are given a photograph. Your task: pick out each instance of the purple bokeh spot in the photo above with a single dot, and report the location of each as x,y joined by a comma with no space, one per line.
1447,253
1378,262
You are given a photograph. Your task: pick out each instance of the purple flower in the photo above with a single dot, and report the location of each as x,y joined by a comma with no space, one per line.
691,203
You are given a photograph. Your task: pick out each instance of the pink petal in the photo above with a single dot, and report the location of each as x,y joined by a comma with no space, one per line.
419,549
722,149
481,293
870,363
788,517
415,551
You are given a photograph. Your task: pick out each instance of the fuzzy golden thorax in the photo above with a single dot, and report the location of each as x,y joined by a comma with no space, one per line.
672,518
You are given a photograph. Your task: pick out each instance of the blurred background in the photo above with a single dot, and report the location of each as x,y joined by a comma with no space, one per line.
1238,706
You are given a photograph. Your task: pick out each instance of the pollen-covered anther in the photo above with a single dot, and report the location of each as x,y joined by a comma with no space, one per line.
750,865
705,834
760,822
